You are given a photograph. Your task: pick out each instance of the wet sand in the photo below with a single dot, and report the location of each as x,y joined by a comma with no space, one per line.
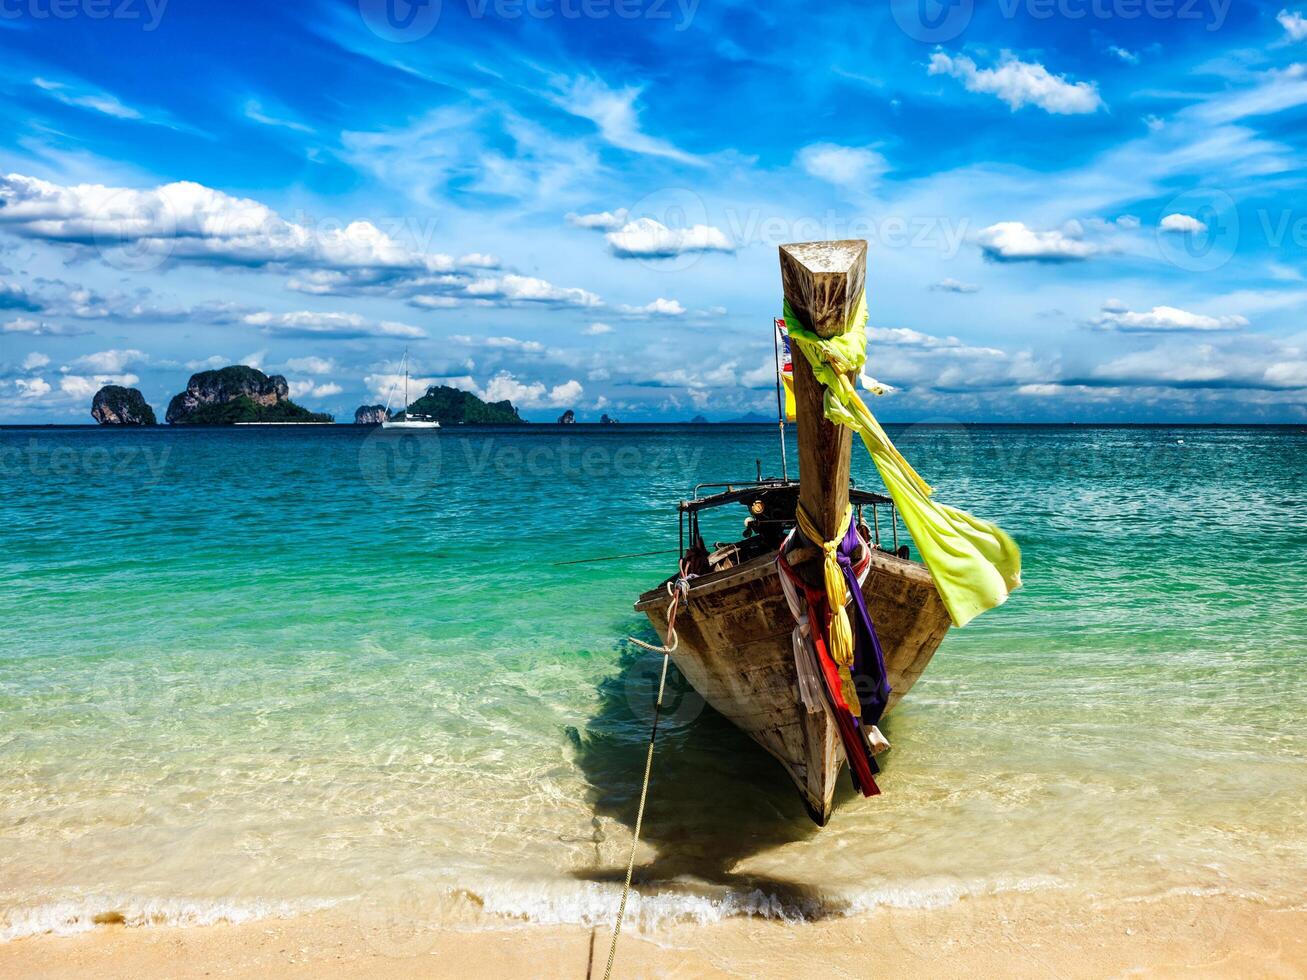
1023,936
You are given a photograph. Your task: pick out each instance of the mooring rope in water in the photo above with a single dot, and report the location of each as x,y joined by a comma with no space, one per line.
678,593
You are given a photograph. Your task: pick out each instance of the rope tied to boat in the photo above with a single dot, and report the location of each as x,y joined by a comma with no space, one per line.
678,592
837,596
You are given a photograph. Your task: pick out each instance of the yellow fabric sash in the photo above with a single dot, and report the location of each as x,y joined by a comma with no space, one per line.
973,562
837,594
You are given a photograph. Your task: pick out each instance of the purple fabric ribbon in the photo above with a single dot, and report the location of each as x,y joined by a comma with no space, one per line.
868,658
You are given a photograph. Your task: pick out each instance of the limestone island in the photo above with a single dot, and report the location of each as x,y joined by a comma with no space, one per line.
452,406
116,405
237,394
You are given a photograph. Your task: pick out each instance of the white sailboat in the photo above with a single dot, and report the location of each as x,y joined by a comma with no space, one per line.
404,420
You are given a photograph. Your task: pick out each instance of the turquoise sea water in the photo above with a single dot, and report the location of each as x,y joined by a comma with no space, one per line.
254,671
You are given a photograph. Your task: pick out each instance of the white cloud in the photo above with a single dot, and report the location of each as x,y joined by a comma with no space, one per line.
596,329
35,360
613,112
1294,24
568,391
1162,319
101,102
599,221
306,323
79,386
1019,83
311,365
32,387
311,389
955,286
1182,223
526,289
659,307
188,221
207,364
38,328
846,166
1259,363
105,361
646,238
254,111
15,297
1012,241
501,343
526,394
1129,57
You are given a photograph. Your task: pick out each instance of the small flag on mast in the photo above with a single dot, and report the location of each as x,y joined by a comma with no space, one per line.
786,368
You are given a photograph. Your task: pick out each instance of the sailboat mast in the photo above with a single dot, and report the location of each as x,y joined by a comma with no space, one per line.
822,282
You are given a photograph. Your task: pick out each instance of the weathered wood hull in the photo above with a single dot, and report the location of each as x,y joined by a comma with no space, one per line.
735,649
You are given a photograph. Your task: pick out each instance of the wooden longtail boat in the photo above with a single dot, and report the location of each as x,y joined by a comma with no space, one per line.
734,625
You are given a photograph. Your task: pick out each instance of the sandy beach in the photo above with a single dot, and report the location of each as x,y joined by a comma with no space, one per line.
1018,936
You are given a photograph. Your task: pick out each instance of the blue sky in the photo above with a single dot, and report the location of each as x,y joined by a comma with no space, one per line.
1077,209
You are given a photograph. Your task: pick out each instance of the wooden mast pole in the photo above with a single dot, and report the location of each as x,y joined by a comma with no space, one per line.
822,282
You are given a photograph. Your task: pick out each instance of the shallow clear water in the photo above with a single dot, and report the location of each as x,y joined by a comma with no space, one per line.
251,671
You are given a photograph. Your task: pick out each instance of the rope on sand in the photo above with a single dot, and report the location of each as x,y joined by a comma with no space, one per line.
678,593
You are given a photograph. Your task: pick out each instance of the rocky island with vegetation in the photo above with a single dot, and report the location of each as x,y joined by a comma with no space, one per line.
453,406
237,394
116,405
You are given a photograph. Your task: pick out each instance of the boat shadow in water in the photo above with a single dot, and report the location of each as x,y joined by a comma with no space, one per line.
715,797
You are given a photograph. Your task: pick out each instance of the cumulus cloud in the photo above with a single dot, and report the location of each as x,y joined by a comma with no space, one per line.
311,365
1012,241
15,297
311,389
659,307
1182,223
600,220
188,221
1020,83
646,238
1255,363
955,286
596,329
35,360
527,289
38,328
1161,319
78,386
844,166
305,323
525,394
32,387
104,362
1294,24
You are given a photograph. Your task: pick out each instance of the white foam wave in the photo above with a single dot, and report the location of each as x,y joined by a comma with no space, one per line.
68,917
